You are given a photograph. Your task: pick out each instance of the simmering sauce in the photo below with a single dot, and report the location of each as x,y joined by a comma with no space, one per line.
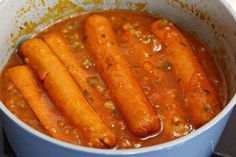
150,65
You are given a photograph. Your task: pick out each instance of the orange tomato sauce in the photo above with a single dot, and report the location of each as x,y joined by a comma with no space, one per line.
151,68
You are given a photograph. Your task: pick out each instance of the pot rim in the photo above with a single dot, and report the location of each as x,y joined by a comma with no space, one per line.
166,145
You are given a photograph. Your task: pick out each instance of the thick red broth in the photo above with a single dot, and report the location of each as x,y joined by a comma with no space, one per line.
151,66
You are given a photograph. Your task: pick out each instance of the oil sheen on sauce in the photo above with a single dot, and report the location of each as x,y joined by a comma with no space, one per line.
149,72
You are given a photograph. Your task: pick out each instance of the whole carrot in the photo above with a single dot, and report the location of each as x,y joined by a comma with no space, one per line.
22,77
65,93
199,95
115,71
172,114
62,50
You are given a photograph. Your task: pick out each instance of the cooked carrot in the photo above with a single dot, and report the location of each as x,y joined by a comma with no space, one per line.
62,50
23,79
116,73
199,95
174,122
64,92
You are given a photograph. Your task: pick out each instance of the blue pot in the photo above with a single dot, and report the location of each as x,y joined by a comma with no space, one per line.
213,21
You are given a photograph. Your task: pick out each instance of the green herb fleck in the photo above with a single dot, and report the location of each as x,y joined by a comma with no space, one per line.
109,105
75,44
205,92
100,88
137,34
149,38
128,26
146,40
88,63
167,66
136,69
95,82
187,119
163,23
208,109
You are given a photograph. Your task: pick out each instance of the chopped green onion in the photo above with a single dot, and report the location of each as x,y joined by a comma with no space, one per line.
109,105
163,23
88,63
167,66
137,34
100,88
127,26
136,69
60,123
187,119
77,44
149,38
95,82
146,40
208,109
205,91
